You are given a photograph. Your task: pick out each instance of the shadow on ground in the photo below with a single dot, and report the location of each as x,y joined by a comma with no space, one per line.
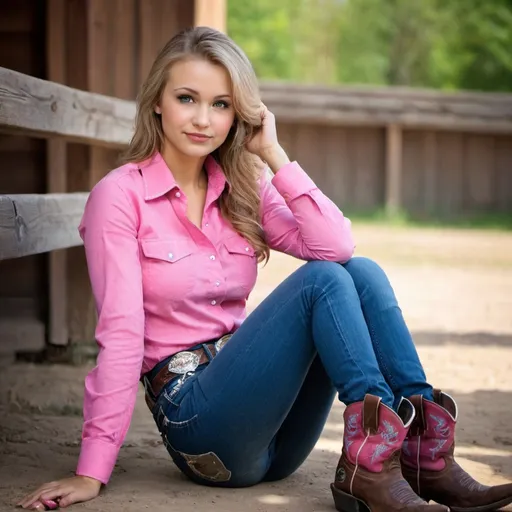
469,339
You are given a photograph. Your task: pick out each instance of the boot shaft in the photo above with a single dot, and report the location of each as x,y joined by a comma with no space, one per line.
369,476
430,468
431,436
374,432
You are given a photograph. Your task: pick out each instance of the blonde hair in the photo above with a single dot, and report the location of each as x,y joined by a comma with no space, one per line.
240,203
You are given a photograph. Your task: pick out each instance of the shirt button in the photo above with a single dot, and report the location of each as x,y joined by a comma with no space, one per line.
178,194
212,257
171,255
217,283
213,302
206,225
247,249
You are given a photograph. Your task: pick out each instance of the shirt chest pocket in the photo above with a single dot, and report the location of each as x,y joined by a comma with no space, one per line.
242,268
168,268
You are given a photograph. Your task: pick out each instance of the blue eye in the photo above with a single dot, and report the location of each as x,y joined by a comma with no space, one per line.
185,98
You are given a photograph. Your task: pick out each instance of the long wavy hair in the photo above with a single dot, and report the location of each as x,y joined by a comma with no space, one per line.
240,202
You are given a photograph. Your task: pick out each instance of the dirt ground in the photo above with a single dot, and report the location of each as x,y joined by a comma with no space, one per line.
455,288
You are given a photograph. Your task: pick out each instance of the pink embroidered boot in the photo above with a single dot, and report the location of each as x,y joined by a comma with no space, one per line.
368,477
430,468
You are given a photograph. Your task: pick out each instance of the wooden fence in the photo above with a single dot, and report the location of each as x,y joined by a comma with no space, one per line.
35,223
31,224
426,152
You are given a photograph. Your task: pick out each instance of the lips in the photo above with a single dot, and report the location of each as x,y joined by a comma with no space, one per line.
198,137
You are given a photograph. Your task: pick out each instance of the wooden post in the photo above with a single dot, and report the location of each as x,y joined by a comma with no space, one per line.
211,13
56,173
393,168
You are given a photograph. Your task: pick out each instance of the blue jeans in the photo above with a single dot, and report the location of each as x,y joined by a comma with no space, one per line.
257,409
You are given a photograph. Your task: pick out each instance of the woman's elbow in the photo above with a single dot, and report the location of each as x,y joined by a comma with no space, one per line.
345,251
339,252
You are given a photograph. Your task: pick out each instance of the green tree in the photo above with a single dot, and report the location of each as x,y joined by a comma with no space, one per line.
447,44
287,39
473,47
264,30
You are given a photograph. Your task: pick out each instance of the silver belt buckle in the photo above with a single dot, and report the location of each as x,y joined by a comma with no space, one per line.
219,344
183,363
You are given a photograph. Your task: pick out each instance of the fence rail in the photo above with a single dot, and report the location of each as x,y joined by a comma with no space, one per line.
31,224
36,223
409,108
45,109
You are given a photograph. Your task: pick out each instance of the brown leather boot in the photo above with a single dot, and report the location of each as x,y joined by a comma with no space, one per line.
368,477
430,468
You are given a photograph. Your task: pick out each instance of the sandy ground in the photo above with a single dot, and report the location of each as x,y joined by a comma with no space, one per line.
455,288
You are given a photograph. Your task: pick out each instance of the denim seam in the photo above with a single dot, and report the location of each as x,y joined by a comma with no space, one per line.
374,338
384,368
343,337
181,424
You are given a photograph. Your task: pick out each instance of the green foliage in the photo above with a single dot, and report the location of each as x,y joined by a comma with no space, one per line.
489,221
447,44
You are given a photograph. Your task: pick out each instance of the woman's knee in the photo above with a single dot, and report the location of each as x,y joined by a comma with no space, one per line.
325,271
327,275
364,269
370,280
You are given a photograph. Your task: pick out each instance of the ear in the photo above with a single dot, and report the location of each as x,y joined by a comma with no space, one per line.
158,110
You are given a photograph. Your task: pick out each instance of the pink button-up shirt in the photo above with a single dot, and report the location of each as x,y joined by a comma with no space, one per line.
162,285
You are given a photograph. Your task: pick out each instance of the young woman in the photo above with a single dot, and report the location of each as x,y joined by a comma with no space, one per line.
173,238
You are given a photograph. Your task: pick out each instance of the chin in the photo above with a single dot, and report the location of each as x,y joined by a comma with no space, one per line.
198,151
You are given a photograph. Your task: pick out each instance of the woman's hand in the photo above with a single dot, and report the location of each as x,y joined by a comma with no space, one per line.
65,492
265,145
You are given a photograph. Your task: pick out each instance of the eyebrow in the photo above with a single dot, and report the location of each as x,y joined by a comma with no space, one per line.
193,91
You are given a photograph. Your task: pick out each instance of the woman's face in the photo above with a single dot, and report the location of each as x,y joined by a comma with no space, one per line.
196,107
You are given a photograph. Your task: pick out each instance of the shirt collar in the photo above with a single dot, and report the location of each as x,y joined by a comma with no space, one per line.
159,180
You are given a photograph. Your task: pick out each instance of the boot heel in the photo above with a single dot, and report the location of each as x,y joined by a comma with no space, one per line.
346,503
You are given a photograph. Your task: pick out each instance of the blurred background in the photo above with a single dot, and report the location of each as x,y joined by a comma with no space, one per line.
400,111
441,44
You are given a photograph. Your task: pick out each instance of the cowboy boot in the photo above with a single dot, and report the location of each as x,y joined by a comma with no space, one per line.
368,477
430,468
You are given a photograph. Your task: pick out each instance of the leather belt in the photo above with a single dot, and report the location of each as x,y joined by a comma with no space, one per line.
179,365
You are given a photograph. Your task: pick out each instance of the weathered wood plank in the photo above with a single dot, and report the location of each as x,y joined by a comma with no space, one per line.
482,112
430,165
394,155
36,223
503,148
369,172
337,167
479,173
44,109
450,173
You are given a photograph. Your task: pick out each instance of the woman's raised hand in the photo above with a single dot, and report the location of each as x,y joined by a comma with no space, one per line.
265,144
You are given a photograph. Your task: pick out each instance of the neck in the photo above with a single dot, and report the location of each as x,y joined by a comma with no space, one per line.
187,171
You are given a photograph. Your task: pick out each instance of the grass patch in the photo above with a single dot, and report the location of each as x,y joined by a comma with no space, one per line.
491,221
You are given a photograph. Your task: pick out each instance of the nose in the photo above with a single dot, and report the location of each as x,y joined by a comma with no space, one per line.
202,116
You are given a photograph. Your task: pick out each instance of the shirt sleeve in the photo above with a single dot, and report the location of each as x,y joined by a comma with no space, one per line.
109,232
299,220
